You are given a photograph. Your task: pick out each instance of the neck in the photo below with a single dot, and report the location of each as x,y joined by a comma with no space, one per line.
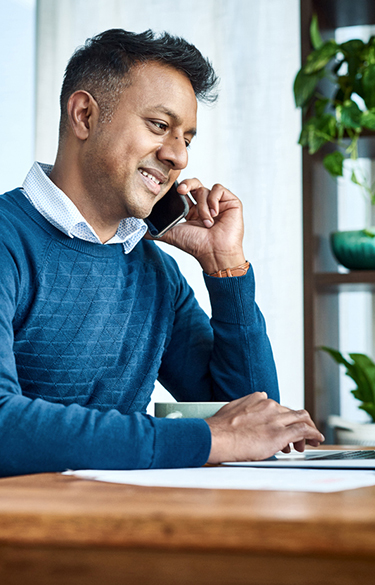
66,176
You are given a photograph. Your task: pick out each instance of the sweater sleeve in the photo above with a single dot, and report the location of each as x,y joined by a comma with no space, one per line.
41,436
225,358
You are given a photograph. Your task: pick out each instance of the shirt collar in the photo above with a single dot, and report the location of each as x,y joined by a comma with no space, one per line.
61,212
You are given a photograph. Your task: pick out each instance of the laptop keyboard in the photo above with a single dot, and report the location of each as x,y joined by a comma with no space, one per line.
363,454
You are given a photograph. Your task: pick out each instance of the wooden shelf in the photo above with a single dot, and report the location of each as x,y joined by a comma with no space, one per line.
353,281
339,13
322,282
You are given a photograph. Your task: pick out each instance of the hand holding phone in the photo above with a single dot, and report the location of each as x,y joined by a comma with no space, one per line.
167,212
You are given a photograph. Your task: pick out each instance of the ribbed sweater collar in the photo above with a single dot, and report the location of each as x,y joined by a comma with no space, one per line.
100,250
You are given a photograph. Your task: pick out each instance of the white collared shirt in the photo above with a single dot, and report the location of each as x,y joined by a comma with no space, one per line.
60,211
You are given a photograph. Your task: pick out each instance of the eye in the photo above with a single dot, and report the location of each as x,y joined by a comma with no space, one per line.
160,125
188,144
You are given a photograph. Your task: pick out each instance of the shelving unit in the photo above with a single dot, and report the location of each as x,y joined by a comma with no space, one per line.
322,280
354,281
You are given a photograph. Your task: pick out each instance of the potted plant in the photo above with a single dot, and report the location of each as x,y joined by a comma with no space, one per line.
337,112
361,369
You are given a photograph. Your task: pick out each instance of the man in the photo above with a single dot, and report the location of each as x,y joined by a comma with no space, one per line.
92,313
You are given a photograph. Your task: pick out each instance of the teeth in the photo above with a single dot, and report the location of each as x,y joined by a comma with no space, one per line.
150,176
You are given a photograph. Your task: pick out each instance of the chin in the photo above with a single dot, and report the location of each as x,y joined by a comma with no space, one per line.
137,211
146,210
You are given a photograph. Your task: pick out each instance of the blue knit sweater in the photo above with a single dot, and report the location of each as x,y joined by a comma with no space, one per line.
85,331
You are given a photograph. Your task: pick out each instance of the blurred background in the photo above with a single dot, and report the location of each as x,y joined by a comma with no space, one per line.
247,141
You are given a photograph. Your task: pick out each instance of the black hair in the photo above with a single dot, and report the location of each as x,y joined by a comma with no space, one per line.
101,65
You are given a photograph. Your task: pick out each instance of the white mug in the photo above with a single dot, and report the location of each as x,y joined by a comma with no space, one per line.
187,409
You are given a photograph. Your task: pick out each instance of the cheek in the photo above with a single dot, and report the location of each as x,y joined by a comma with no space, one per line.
130,154
122,151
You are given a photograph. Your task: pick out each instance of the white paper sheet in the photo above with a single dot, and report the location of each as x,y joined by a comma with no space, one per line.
237,478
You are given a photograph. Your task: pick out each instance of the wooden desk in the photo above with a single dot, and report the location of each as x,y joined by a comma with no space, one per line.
58,530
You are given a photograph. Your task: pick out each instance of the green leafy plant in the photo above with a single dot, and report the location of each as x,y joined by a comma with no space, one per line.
349,106
361,369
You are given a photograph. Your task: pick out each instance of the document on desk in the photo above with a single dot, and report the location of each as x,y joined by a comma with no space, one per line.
237,478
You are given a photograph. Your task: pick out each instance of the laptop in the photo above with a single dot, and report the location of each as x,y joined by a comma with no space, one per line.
313,459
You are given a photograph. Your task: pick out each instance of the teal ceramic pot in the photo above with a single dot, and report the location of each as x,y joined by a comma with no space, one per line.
354,250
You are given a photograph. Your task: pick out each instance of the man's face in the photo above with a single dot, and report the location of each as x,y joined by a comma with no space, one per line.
131,161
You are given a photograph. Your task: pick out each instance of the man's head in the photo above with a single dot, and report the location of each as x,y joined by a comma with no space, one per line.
102,67
129,106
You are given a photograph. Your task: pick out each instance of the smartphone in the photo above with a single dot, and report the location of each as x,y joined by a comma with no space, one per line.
167,212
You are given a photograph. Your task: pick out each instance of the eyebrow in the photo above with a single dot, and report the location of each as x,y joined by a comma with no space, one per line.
176,118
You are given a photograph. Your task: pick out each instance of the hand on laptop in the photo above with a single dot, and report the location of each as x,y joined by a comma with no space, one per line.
254,428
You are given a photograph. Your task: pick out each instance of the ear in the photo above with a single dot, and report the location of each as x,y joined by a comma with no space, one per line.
83,112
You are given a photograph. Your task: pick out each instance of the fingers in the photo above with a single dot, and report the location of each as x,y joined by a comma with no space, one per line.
295,416
273,414
189,185
274,426
301,423
201,209
207,205
255,427
301,432
298,428
300,445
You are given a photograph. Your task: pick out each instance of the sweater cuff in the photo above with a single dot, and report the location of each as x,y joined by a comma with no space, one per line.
232,299
181,442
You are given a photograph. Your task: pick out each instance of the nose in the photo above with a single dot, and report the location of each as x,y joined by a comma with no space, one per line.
173,152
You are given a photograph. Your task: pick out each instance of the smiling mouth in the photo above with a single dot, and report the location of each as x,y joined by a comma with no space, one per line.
149,176
153,181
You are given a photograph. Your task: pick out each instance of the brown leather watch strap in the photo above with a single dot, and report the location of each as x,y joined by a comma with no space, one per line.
236,271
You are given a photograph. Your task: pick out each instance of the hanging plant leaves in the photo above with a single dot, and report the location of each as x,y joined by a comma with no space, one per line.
320,106
304,87
368,119
318,131
341,108
357,86
320,57
354,179
368,84
352,47
334,163
339,96
352,50
368,52
316,39
349,115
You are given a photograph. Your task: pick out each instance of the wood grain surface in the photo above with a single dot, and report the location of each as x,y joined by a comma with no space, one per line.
59,529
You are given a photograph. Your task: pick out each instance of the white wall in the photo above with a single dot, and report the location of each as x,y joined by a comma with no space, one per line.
248,141
17,90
